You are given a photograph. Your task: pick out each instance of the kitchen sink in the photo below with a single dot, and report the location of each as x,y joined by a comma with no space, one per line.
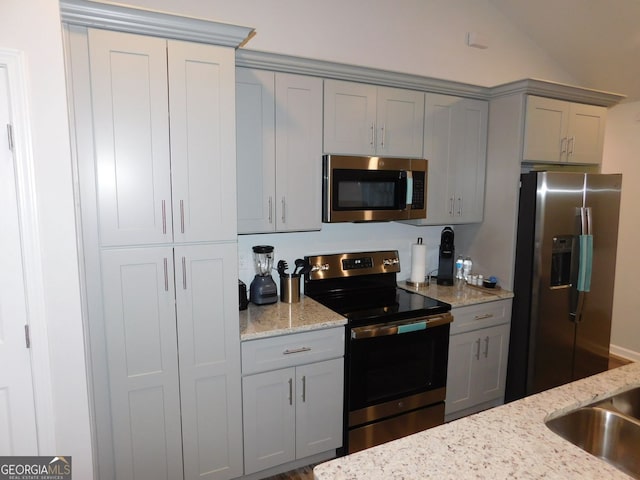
608,429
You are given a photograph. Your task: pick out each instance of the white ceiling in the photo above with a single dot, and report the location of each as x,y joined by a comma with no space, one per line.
596,41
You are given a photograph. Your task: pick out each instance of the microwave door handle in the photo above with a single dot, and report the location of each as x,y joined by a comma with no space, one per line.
409,200
403,194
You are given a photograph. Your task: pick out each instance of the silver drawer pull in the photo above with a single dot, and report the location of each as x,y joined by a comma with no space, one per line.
296,350
482,317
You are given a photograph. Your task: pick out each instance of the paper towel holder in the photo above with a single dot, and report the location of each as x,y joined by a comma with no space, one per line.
417,285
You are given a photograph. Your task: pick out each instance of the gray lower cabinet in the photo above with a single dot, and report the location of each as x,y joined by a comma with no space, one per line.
478,350
292,398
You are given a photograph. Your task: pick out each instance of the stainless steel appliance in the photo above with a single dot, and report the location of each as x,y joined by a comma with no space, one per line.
564,276
397,349
362,189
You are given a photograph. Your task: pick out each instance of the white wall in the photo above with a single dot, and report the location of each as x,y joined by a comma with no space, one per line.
425,37
33,28
622,144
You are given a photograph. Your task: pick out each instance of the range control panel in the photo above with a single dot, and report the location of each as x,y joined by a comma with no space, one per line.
350,264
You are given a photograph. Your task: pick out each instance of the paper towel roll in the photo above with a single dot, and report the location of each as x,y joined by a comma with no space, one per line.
418,262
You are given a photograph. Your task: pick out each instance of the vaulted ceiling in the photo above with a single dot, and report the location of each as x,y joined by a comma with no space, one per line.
596,41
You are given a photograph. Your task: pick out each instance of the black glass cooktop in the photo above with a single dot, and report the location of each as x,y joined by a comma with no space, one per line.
380,305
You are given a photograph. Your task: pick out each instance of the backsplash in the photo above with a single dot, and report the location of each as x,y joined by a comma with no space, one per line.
342,237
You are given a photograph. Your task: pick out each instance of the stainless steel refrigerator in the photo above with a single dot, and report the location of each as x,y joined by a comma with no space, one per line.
563,281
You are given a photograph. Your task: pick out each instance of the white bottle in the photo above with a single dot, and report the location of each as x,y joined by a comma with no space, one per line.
467,266
459,268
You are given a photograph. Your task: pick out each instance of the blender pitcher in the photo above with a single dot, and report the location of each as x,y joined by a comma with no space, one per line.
263,289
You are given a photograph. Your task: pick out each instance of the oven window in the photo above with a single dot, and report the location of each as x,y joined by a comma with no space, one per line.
369,190
394,366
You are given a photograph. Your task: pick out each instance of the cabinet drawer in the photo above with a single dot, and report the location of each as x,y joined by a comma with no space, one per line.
265,354
482,315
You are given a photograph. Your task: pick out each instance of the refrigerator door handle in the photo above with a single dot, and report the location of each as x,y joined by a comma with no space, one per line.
585,262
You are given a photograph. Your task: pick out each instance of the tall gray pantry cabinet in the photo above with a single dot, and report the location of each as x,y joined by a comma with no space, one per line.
154,138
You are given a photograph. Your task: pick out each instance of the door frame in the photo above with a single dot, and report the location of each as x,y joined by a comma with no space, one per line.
13,61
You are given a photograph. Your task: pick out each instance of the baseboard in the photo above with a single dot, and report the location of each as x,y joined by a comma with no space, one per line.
624,353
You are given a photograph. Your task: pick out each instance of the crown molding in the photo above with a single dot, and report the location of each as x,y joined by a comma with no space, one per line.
111,16
561,91
341,71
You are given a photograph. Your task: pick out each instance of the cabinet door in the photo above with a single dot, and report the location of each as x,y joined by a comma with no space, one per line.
142,356
438,141
586,133
399,122
546,125
298,152
209,356
255,144
464,352
268,404
202,112
349,118
319,400
130,116
469,154
492,364
455,135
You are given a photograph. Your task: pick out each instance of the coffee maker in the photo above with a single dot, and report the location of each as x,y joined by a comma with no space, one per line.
263,290
446,257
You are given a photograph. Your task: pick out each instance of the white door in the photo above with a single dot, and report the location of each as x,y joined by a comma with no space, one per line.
131,127
142,351
298,152
203,147
17,410
209,358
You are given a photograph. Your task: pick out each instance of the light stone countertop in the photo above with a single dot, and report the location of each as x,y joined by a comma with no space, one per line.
509,441
459,295
259,321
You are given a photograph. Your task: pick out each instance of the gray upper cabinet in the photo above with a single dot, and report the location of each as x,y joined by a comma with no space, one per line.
361,119
279,151
558,131
161,117
455,144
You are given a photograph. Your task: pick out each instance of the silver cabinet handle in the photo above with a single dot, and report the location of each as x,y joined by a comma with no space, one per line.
563,145
164,217
304,388
478,349
284,206
296,350
270,209
382,136
486,347
483,316
451,201
459,206
166,276
571,145
181,216
290,391
373,136
184,273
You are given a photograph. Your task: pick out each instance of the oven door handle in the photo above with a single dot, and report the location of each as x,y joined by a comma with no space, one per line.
383,329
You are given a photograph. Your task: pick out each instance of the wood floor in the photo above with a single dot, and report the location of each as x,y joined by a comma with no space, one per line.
306,473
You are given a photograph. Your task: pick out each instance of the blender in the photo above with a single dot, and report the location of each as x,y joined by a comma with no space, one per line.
263,289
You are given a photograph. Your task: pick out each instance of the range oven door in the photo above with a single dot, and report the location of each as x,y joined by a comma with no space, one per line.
397,377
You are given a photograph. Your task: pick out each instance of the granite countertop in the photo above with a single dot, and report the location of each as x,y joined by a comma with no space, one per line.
280,318
510,441
459,295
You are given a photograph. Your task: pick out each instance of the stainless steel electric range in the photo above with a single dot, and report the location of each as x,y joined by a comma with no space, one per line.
397,349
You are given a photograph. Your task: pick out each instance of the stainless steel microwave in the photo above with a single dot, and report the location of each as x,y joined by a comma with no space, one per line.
373,189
